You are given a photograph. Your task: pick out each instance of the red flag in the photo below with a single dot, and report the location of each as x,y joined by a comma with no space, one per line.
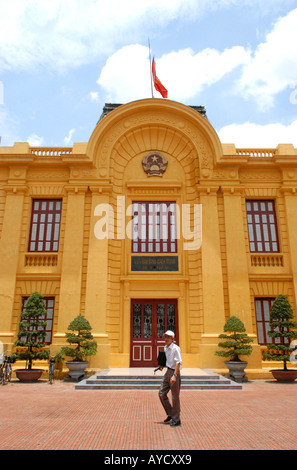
157,84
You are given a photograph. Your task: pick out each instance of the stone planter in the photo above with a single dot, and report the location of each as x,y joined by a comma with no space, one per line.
76,369
28,375
236,370
284,375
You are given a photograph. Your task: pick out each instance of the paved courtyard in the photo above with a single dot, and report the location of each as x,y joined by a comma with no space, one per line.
263,416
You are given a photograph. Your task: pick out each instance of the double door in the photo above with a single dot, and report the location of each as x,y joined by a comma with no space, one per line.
149,321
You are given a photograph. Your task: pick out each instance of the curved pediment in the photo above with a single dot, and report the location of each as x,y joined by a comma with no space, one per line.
143,126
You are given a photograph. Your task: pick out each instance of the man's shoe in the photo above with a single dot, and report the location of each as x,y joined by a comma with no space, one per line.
175,423
167,419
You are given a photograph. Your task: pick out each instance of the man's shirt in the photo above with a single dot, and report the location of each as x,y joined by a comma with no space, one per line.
173,356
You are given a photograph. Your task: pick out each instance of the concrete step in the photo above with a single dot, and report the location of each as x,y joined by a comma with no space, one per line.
145,382
108,386
122,378
121,381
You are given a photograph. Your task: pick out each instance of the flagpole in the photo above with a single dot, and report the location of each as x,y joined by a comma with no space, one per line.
150,67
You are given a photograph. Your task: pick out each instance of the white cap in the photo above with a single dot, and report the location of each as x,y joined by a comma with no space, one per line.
169,333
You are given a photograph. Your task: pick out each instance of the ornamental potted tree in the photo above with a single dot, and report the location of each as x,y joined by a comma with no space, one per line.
281,320
30,344
236,343
83,346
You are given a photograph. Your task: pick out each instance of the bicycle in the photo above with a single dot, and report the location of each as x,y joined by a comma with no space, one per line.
5,368
51,369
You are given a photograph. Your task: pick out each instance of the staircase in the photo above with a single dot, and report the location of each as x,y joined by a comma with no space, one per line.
108,380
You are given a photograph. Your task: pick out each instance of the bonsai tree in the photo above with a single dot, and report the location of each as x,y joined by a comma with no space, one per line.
236,342
30,343
81,338
281,320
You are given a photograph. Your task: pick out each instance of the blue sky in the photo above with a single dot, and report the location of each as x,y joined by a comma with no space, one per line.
61,60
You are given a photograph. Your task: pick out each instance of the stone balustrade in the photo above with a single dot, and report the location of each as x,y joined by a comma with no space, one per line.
41,259
265,260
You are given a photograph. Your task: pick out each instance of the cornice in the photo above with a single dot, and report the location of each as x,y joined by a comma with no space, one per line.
232,190
289,190
101,188
15,188
273,277
76,188
207,190
38,276
154,187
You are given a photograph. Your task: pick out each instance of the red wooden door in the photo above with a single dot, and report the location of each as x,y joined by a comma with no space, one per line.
149,321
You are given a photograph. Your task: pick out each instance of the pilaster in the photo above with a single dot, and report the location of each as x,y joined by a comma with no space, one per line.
212,277
97,275
71,270
237,262
290,197
9,253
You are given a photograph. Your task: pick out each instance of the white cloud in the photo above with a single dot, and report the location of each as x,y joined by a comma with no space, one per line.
35,141
183,73
187,73
94,96
62,34
134,82
67,33
251,135
1,92
68,138
273,66
267,71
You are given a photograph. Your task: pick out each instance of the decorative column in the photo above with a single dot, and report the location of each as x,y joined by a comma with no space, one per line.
237,268
237,262
124,357
71,269
183,318
290,197
97,274
9,255
212,278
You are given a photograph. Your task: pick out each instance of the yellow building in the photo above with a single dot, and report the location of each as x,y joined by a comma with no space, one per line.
151,224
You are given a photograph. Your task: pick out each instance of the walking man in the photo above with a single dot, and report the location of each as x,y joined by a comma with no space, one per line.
171,380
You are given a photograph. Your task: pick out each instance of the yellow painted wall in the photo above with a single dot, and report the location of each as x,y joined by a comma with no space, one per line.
94,277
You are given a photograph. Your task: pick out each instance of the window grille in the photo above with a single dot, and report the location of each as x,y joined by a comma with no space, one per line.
263,308
262,226
45,225
154,227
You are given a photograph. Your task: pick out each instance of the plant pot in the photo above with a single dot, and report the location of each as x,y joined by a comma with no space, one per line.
236,370
28,375
284,375
76,368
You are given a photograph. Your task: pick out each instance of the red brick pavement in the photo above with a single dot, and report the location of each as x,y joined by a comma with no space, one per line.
40,416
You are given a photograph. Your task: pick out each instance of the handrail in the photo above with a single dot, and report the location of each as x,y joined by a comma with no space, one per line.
256,153
50,151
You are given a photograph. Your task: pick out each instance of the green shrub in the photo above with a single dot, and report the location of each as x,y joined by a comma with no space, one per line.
81,339
30,344
281,320
236,342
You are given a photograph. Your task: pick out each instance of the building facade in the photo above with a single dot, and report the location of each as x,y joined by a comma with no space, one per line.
151,224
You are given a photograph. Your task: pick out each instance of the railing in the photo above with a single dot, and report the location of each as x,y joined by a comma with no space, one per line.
51,151
58,151
256,153
41,259
267,260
